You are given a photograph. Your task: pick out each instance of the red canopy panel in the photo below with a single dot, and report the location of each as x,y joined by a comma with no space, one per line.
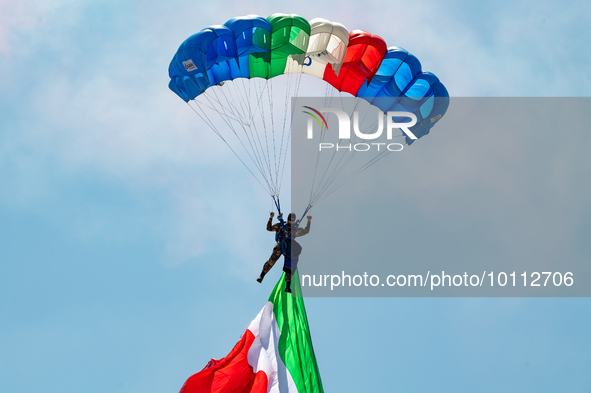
364,56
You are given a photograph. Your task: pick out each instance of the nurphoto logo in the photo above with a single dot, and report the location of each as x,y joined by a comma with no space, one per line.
344,131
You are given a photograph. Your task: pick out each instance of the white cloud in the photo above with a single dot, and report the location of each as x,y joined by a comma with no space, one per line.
16,16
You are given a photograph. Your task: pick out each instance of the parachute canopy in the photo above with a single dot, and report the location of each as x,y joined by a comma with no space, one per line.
286,46
358,62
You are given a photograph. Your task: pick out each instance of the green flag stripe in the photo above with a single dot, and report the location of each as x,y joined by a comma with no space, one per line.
295,342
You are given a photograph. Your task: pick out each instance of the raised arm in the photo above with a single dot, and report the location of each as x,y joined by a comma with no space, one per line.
270,226
304,231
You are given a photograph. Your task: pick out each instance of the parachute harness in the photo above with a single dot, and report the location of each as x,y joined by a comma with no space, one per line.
282,235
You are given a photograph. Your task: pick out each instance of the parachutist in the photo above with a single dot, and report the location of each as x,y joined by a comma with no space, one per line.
285,245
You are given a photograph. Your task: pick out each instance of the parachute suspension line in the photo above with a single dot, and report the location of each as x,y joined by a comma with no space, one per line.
225,141
244,98
324,193
263,146
259,101
269,120
325,189
256,149
268,128
277,150
223,108
212,126
373,124
209,104
326,171
340,165
297,90
276,153
254,154
331,173
246,126
288,139
238,93
339,185
253,111
292,90
253,135
286,106
240,111
247,94
225,118
365,115
250,130
226,106
280,152
360,170
328,98
335,171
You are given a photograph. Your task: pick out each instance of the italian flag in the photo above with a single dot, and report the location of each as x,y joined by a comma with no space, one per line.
275,353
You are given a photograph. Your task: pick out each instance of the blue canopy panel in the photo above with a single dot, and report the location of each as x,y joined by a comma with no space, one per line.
428,99
417,95
188,86
176,85
252,35
188,67
221,53
390,64
397,69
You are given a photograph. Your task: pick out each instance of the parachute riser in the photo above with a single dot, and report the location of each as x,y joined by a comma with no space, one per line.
280,215
297,223
277,204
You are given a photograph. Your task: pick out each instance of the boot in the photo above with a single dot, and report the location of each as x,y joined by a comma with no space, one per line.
288,286
260,279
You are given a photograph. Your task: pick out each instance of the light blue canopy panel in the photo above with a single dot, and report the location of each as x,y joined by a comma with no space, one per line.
397,70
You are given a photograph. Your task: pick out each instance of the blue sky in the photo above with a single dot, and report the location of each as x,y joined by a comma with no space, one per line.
124,260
